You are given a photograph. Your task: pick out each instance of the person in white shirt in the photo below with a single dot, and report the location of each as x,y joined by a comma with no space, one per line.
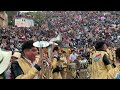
73,56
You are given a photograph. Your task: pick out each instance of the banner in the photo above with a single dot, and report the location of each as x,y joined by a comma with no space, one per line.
23,22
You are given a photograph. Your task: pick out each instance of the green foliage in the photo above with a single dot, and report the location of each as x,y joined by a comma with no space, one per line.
10,16
38,16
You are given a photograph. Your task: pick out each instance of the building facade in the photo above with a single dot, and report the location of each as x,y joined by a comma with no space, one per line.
22,21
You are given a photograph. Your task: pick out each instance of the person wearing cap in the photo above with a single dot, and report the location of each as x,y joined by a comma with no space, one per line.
5,57
100,62
25,67
115,72
15,56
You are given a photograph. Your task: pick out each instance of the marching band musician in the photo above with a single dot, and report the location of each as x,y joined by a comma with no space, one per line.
67,55
92,51
47,67
56,66
115,72
24,67
110,53
100,62
64,65
41,74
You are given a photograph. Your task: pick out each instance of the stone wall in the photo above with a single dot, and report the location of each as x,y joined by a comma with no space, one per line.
3,19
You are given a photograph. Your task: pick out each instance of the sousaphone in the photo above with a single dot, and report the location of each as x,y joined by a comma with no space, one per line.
57,39
40,45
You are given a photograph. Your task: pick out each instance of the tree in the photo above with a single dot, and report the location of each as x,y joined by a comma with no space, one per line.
38,16
10,16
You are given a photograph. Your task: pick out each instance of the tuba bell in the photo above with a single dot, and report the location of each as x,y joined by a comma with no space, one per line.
57,39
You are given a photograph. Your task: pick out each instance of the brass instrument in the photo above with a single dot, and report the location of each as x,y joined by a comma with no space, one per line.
53,42
40,45
57,39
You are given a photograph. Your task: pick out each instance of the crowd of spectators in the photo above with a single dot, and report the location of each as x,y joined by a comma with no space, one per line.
78,29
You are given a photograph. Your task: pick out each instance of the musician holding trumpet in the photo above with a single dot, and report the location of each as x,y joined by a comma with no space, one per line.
25,67
115,72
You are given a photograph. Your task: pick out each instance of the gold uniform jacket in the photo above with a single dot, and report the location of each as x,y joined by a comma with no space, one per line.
114,73
21,69
110,54
56,69
63,61
100,65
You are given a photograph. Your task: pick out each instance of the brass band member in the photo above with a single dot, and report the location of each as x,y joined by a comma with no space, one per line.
110,53
64,65
24,67
56,64
100,62
92,51
115,73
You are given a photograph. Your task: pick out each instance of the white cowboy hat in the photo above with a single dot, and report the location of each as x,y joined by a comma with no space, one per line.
16,54
5,57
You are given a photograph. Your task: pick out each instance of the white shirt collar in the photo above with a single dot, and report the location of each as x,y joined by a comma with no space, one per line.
32,64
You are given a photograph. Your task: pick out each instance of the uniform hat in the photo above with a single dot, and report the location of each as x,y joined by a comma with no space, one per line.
99,45
5,57
16,54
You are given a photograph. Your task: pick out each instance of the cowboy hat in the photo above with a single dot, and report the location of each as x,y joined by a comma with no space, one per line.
16,54
5,57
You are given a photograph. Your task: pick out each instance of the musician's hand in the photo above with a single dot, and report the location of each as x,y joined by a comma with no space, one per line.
39,61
